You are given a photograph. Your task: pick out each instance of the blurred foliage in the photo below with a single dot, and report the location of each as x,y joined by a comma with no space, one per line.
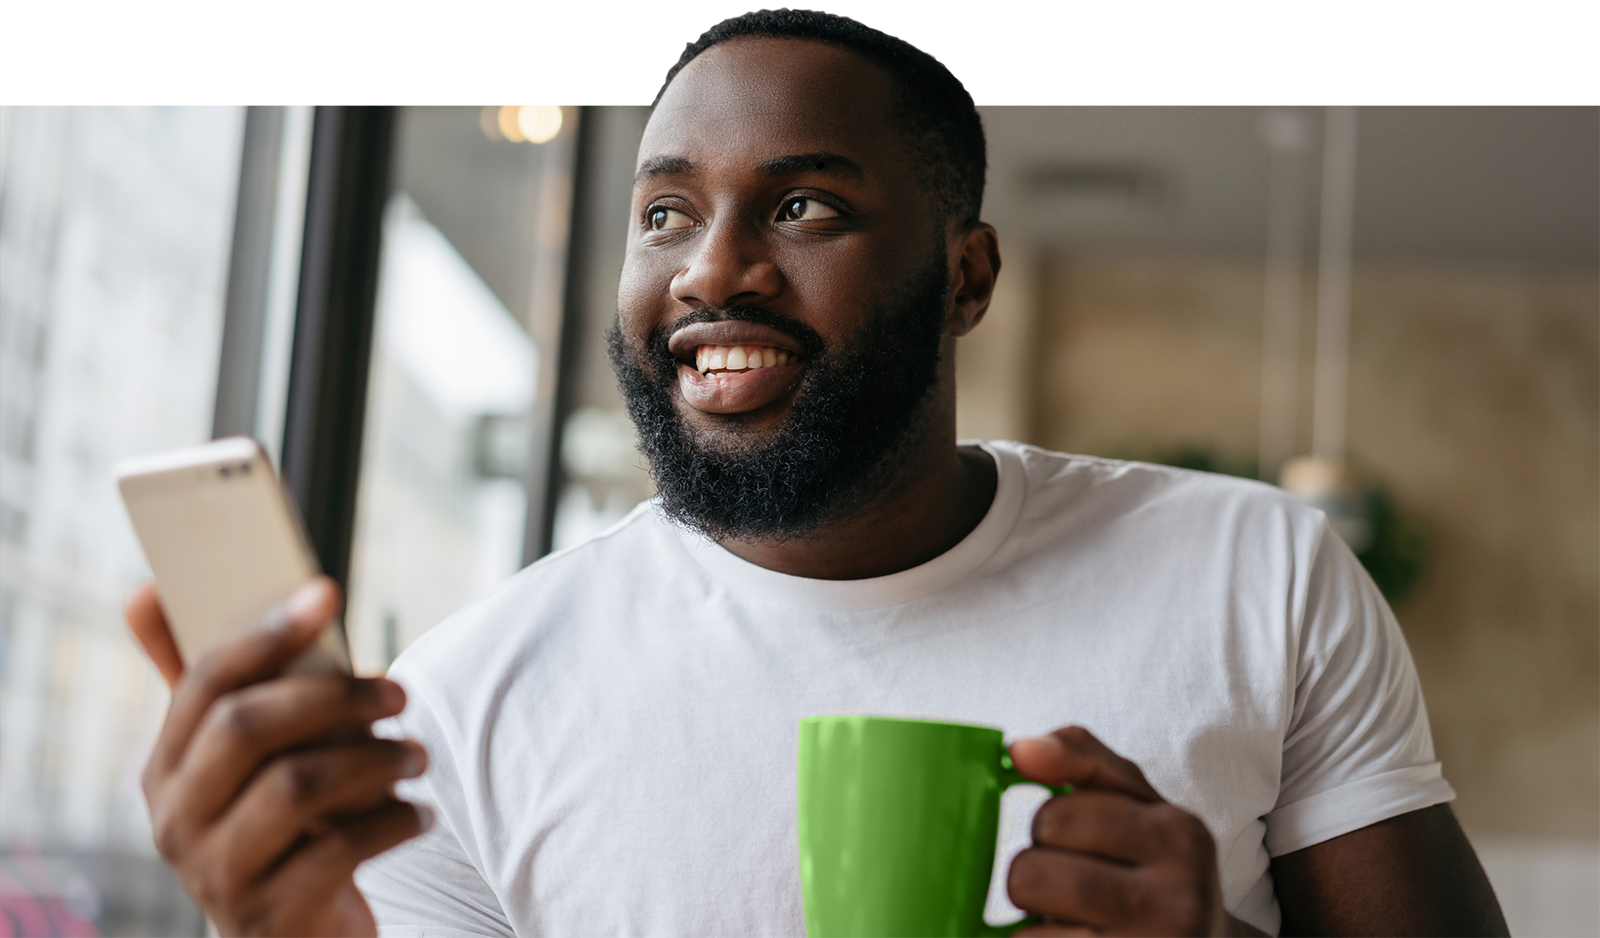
1399,550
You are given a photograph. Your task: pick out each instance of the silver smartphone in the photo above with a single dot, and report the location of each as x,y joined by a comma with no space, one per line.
225,543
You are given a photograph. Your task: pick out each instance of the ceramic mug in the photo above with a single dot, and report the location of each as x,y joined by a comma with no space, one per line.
898,819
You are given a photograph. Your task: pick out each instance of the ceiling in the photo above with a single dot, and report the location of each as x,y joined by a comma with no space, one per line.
1501,186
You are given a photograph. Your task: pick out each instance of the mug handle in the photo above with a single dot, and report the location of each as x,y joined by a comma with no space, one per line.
1009,776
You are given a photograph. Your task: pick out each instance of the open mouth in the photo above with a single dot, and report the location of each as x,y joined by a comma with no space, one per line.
733,379
719,361
733,366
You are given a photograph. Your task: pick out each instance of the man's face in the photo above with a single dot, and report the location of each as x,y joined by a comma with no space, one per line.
785,289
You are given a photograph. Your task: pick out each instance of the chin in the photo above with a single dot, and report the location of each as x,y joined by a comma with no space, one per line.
732,434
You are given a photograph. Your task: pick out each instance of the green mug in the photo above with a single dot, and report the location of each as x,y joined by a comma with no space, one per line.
898,820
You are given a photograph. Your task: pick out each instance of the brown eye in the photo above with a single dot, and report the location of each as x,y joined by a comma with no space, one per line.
667,219
804,209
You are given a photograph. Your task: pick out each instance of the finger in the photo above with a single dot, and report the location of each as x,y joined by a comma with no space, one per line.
318,870
285,632
1102,823
1072,756
244,728
1073,887
148,623
297,794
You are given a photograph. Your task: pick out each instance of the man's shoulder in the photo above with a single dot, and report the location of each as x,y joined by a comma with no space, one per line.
1049,470
1085,493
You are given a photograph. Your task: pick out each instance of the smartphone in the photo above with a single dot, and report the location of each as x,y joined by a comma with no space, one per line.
225,543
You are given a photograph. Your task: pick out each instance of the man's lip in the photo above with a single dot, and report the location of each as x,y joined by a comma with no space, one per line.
737,392
683,343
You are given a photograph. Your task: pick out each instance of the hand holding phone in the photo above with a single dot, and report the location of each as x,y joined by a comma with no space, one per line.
266,790
266,786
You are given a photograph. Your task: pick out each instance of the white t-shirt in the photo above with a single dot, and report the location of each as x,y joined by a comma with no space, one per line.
613,732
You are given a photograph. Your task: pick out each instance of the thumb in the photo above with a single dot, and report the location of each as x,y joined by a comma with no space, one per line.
149,625
1073,756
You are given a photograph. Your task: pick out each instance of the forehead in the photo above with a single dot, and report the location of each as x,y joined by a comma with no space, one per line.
752,99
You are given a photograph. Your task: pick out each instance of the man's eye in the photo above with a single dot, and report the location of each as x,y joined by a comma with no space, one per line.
667,219
801,209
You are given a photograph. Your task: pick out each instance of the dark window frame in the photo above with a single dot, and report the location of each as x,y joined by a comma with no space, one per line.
348,187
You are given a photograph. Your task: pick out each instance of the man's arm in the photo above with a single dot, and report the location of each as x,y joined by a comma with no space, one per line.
1415,874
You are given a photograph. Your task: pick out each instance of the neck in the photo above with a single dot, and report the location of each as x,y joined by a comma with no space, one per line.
940,496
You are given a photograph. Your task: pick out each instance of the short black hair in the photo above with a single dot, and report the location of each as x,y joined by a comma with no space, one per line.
931,109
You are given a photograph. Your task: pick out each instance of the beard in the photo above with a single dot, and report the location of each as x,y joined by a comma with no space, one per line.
859,413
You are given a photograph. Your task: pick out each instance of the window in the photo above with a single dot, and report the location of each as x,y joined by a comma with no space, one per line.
115,233
462,376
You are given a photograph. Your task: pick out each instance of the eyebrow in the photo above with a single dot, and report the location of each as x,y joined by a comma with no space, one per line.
831,163
820,162
663,166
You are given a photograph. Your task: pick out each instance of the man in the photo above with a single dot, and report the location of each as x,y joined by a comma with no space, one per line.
610,737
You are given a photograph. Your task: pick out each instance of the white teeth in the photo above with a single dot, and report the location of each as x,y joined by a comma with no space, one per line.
711,358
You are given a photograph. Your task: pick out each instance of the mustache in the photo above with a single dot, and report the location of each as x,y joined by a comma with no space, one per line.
809,340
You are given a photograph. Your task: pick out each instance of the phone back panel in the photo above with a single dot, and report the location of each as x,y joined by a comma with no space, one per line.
221,537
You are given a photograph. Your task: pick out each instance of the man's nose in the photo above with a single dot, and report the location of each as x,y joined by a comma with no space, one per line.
732,266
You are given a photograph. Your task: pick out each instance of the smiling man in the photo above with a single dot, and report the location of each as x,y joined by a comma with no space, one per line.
610,737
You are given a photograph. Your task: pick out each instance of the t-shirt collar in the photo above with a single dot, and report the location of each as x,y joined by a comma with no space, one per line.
925,579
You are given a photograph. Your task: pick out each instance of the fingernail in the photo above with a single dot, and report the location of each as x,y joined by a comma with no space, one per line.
424,816
276,617
308,599
1049,741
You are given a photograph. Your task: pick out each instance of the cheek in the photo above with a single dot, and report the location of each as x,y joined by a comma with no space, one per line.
642,293
838,283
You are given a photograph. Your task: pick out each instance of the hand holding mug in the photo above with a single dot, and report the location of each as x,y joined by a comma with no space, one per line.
1113,857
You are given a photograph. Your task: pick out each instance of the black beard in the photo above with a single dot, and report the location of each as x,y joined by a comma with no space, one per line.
858,414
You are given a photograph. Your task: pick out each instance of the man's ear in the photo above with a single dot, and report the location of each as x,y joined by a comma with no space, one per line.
976,256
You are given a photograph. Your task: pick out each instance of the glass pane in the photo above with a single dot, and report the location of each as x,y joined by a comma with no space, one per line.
115,227
602,470
472,257
441,506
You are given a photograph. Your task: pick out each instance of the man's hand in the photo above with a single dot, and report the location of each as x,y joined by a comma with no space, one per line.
266,791
1112,858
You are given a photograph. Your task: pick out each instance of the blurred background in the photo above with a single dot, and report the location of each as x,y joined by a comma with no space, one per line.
1394,312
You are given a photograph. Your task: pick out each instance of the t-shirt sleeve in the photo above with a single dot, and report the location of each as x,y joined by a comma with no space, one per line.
1357,748
429,885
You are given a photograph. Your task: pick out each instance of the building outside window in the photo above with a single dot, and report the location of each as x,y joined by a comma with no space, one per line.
115,230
